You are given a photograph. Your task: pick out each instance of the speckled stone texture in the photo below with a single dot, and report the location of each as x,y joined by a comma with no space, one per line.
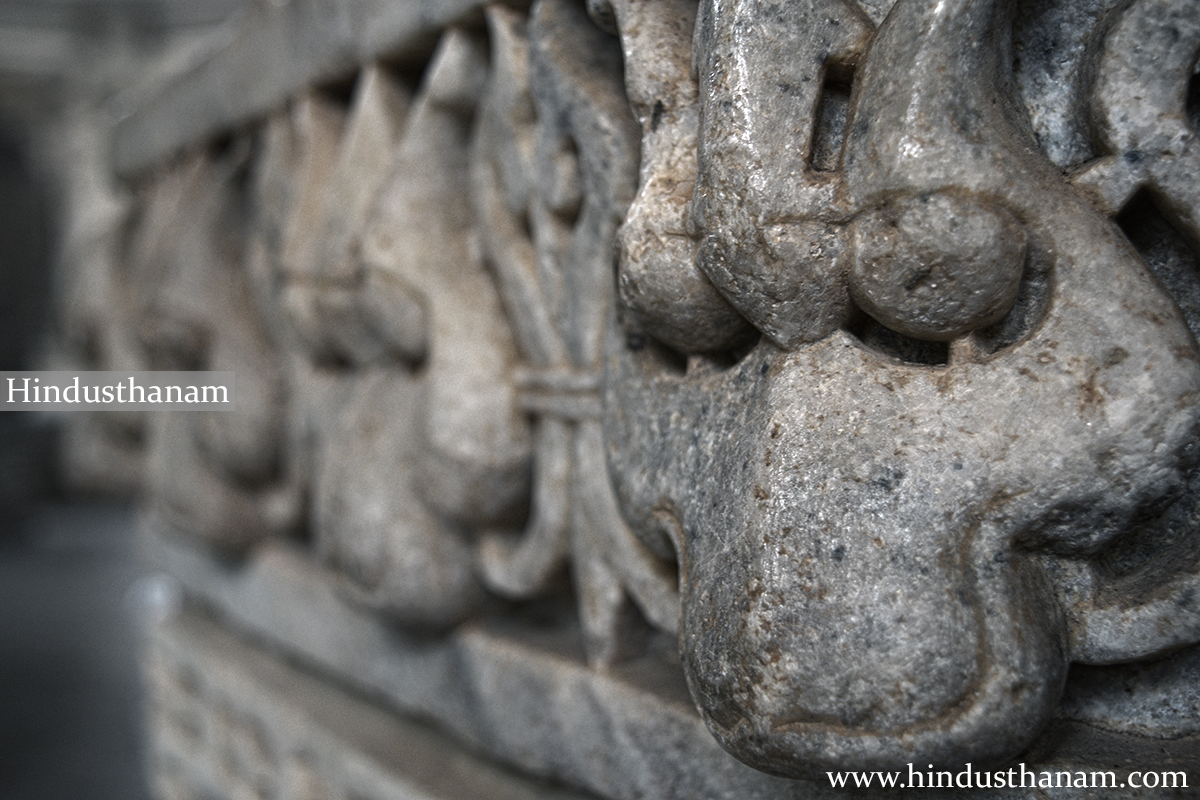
831,364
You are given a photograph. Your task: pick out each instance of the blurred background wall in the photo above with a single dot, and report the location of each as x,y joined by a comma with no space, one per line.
70,590
69,69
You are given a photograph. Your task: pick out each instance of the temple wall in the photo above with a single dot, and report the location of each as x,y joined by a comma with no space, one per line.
662,399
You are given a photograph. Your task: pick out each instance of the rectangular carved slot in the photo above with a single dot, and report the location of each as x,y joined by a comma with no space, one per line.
833,110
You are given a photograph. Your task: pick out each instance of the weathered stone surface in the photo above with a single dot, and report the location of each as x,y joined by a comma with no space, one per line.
937,267
400,336
277,52
519,689
661,287
768,220
861,539
220,475
472,465
554,169
1140,104
778,327
99,452
232,720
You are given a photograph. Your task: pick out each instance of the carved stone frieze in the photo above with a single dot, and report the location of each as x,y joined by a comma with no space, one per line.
100,451
850,343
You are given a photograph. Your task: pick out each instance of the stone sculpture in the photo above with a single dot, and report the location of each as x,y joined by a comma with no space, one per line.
100,452
822,335
403,339
220,475
885,540
556,153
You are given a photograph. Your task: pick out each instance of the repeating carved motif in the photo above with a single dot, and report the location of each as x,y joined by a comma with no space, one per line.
556,155
103,451
220,475
212,737
798,331
402,433
1139,105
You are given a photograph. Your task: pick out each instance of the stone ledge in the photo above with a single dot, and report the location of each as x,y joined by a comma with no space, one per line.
519,690
276,53
230,719
522,694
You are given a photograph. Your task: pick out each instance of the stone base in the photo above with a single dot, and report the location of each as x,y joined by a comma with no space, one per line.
268,684
232,720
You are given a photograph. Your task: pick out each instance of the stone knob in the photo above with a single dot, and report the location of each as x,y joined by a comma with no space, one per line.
937,266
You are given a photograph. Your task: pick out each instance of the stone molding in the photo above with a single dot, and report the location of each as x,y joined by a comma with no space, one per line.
518,688
819,337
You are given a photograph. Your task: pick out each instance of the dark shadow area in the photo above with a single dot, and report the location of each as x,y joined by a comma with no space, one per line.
26,440
1166,251
69,714
70,720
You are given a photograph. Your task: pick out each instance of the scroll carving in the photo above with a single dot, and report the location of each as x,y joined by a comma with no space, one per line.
557,157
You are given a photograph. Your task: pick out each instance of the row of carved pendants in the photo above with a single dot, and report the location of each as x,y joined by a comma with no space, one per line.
445,390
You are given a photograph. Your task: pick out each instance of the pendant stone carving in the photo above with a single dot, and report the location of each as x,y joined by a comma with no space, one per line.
836,358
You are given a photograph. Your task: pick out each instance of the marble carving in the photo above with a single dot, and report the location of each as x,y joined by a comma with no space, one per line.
823,334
